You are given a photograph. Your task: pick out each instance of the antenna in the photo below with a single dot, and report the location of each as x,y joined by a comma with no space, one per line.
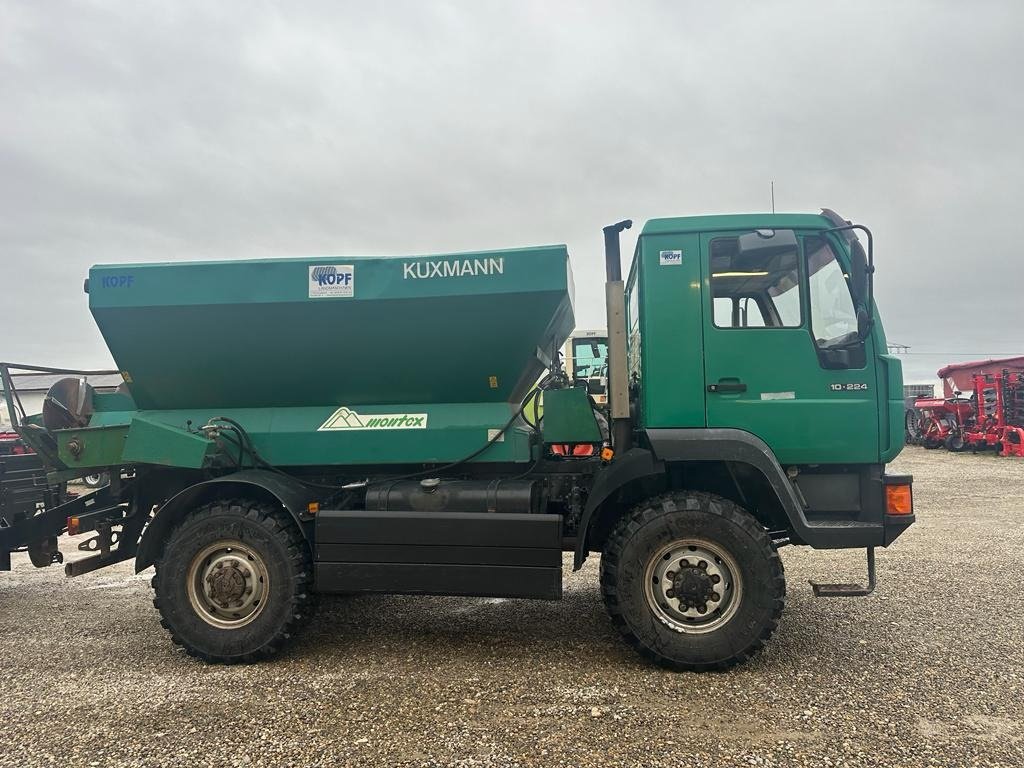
773,195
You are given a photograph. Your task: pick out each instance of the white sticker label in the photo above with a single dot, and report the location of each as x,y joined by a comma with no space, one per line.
778,395
670,258
492,433
327,281
346,418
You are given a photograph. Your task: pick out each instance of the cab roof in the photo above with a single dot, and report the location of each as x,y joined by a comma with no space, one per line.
717,223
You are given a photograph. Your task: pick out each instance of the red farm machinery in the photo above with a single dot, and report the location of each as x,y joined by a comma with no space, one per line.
990,418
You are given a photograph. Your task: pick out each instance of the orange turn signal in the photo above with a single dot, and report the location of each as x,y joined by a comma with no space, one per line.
898,500
73,526
313,507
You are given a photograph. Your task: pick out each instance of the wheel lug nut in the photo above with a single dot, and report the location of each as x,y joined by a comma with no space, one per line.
715,578
703,564
670,575
715,597
670,593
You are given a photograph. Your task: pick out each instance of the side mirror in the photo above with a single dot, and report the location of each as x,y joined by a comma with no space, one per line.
859,272
863,322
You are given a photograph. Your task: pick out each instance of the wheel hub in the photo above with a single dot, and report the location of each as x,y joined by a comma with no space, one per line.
692,586
227,584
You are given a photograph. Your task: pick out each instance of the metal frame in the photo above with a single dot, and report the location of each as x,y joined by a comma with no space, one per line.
12,398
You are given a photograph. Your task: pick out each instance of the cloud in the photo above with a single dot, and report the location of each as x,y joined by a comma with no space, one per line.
152,131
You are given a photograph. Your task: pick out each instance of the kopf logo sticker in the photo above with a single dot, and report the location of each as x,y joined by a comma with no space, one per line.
670,258
326,281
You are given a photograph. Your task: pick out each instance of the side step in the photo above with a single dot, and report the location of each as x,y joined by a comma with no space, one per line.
849,590
482,554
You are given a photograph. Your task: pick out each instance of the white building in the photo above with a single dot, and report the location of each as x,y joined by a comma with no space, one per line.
32,389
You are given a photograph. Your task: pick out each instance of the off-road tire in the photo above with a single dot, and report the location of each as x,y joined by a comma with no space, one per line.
269,531
911,426
684,515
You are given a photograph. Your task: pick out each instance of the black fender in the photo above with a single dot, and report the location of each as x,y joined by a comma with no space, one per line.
738,446
634,464
293,496
697,444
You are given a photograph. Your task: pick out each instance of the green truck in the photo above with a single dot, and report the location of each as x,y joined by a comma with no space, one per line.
269,444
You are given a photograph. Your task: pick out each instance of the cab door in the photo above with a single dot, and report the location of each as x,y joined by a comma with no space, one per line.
782,356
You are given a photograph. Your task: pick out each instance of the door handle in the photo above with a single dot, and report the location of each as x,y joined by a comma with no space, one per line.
727,386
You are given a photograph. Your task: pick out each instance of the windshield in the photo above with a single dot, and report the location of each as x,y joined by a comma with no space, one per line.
589,357
833,315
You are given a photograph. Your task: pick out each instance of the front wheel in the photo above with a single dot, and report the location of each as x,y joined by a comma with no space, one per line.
692,581
234,581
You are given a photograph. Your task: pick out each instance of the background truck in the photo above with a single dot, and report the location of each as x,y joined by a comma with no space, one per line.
269,445
585,357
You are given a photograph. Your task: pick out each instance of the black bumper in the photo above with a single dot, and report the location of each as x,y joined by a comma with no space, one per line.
848,509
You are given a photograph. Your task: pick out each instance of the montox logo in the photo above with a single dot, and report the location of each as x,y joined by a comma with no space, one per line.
332,280
346,418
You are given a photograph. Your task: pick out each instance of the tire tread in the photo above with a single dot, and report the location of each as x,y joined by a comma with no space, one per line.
278,523
666,504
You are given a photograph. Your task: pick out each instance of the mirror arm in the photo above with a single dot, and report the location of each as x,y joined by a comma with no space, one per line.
871,251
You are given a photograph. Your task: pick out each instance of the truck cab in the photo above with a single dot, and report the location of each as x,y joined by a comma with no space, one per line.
762,328
585,357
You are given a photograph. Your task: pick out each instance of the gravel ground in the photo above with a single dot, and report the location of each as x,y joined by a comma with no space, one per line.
927,671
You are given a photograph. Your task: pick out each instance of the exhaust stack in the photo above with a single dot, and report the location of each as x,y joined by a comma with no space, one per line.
615,305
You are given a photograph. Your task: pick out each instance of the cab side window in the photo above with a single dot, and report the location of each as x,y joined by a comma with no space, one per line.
833,314
754,291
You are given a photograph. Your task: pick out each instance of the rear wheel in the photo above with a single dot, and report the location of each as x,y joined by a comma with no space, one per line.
692,581
911,426
233,583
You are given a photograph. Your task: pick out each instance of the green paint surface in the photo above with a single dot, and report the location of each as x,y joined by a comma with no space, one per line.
428,358
676,351
569,417
241,334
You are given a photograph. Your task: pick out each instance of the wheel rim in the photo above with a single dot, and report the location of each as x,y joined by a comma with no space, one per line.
693,586
227,584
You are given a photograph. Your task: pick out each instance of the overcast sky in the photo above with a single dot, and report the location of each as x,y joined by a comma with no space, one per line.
150,131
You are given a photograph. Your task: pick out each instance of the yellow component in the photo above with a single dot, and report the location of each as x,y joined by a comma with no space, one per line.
127,377
493,380
73,526
313,507
607,454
